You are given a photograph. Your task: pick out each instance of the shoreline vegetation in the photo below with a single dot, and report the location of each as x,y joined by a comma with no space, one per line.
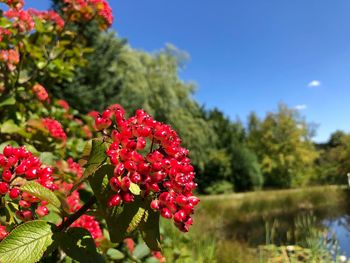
225,224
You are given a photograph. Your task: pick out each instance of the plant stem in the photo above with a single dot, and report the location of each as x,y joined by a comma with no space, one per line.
71,219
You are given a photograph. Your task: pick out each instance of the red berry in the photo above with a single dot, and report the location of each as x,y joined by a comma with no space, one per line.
165,212
154,205
115,184
130,165
4,188
154,188
102,123
3,160
3,232
25,215
125,183
32,173
12,160
14,193
42,211
107,114
135,178
21,169
119,169
128,197
114,200
193,200
180,216
181,200
6,175
8,150
24,204
141,143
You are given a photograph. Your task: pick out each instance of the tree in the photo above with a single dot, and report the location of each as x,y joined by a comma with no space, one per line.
282,142
245,169
334,162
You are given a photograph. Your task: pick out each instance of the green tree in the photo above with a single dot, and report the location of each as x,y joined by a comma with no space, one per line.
282,142
246,171
334,160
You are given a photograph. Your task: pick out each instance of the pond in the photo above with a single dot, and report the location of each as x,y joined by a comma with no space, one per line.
292,219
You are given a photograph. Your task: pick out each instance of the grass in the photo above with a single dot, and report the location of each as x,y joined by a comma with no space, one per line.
219,233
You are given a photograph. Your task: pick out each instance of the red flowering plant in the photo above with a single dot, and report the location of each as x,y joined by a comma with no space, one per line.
75,186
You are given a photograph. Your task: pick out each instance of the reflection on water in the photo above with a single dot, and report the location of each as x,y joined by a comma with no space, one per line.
297,225
341,229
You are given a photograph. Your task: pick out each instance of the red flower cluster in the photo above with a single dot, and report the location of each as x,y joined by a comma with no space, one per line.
75,168
73,200
164,173
4,33
55,129
88,9
48,16
64,104
23,19
40,92
10,57
85,221
18,162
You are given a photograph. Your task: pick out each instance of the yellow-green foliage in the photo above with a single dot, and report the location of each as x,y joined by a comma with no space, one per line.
284,147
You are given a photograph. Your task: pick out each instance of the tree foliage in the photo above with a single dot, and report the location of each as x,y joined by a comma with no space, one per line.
284,148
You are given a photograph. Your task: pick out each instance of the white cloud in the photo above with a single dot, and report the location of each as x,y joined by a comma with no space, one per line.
314,84
300,107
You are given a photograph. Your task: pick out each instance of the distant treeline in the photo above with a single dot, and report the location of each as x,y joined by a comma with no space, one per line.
276,151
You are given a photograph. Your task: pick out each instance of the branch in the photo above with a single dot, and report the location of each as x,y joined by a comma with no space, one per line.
71,219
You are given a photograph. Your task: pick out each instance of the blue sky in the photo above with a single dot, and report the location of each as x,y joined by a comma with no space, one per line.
249,55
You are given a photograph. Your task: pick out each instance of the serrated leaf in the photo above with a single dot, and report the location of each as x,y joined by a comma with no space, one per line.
115,254
136,217
141,251
150,230
96,158
41,192
121,220
135,189
78,244
26,243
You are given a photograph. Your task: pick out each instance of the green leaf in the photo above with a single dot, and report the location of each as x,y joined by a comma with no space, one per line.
121,220
9,126
135,189
41,192
150,230
47,158
115,254
141,251
78,244
11,209
97,157
26,243
152,260
7,100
